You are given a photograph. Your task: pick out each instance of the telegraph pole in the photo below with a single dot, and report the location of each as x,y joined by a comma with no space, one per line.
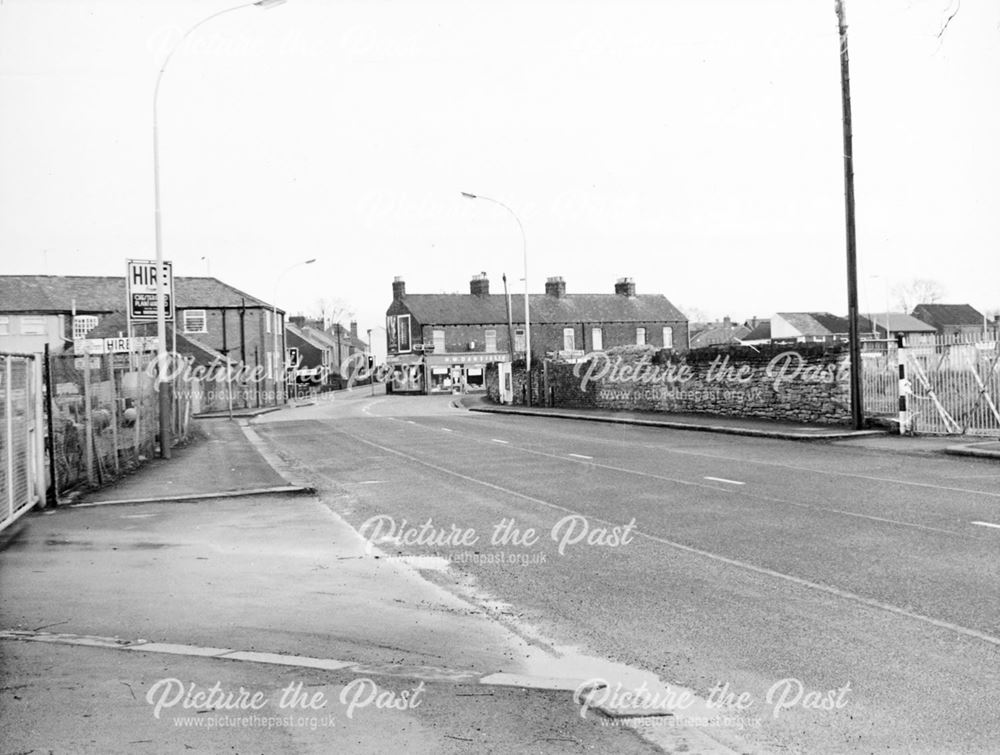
857,406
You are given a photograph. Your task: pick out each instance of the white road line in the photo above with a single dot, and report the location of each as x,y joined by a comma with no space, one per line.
497,440
410,422
988,524
723,479
447,429
828,472
581,456
737,563
371,482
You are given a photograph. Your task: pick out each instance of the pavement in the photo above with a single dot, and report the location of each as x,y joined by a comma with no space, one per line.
188,609
875,439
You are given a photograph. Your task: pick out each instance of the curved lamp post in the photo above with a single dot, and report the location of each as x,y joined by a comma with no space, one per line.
527,319
279,364
161,318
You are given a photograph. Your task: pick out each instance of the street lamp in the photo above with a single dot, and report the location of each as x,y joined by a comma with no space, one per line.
527,319
279,368
161,317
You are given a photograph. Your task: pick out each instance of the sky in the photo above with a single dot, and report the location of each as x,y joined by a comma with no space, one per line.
693,145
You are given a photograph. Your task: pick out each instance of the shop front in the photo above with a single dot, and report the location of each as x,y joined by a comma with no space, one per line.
465,373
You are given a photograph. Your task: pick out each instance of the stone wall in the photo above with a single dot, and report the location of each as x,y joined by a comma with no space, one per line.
789,383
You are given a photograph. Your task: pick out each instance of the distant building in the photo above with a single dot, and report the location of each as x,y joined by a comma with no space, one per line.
443,342
808,327
215,321
952,319
881,324
717,333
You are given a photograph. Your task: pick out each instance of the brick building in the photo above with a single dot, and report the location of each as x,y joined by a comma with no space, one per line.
214,321
440,342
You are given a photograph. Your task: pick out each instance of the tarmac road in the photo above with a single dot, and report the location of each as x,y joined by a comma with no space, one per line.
850,594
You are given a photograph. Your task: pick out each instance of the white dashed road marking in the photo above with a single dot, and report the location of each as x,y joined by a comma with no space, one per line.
988,524
497,440
723,479
581,456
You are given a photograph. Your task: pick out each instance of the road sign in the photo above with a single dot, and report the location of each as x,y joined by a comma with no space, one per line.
115,345
140,282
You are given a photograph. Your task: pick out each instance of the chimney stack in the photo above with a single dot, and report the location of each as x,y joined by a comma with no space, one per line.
479,285
726,322
354,329
398,288
625,287
555,286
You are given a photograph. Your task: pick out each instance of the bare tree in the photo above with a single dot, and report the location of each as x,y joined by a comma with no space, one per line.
917,291
331,311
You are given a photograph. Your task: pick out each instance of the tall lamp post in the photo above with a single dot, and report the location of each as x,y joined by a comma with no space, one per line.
163,387
527,318
279,364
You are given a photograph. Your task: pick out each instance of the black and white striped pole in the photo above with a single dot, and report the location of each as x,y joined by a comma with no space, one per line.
904,387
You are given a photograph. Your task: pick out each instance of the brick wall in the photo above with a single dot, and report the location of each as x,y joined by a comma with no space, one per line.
807,383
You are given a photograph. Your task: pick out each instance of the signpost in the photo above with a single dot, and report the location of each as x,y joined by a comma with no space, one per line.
141,281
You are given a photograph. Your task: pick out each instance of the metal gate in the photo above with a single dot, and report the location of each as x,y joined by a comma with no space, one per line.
22,449
954,386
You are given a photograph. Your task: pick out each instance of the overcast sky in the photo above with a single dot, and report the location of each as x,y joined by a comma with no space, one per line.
692,145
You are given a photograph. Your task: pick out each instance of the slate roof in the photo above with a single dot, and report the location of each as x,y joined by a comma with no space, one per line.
816,323
715,334
470,309
945,315
898,323
95,294
762,332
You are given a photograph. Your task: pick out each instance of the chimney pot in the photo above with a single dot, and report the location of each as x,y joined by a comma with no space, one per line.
479,285
625,287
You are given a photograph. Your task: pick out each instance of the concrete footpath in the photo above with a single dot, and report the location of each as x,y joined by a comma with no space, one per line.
260,623
760,428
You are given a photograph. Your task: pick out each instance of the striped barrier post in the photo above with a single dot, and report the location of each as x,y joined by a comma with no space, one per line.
904,387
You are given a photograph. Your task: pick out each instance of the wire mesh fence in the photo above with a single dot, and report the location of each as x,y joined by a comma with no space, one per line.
22,480
105,416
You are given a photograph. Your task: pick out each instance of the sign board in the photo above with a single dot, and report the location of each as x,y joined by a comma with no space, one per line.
292,356
141,280
114,345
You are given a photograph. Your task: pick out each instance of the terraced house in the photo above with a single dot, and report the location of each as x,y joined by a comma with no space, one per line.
443,342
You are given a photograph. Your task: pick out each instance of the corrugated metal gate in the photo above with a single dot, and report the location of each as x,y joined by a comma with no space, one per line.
22,453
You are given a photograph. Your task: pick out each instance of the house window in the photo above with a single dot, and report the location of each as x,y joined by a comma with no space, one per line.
491,340
404,332
640,336
32,325
519,344
438,339
267,321
83,324
269,362
569,339
597,339
195,321
4,326
668,337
